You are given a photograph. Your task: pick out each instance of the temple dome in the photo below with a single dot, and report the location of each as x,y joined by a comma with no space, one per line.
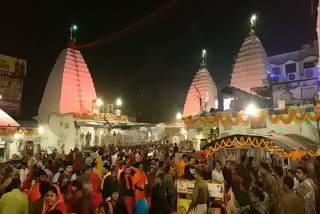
70,88
251,65
202,93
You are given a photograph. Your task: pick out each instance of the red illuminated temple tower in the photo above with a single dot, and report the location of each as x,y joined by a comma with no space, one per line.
70,88
202,94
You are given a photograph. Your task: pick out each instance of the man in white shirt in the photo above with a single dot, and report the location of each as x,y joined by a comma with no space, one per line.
217,175
292,174
114,159
24,171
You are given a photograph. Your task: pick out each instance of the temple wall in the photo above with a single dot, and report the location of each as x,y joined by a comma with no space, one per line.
60,131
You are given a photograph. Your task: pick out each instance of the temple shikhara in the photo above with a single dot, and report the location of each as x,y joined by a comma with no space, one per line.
269,98
70,88
202,94
253,136
251,65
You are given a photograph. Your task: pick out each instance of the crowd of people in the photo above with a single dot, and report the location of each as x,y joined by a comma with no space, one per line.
110,180
266,189
138,180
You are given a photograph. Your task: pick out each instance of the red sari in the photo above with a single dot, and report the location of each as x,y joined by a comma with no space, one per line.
96,196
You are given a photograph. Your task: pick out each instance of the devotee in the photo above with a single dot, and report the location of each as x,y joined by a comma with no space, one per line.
48,172
98,163
289,202
107,182
127,190
292,174
159,199
24,171
141,207
96,171
168,182
54,201
74,196
37,206
160,168
306,191
227,174
85,205
114,158
55,179
278,188
67,174
266,196
15,201
217,175
268,181
151,177
35,192
189,169
115,205
182,165
175,149
91,177
308,164
232,206
139,181
88,159
207,174
242,170
257,199
200,198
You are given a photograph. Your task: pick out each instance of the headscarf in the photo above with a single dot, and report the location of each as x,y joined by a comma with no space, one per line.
60,199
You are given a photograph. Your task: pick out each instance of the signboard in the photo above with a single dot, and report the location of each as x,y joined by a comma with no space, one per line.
12,74
216,190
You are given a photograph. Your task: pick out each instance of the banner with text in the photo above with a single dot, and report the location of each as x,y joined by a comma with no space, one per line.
12,75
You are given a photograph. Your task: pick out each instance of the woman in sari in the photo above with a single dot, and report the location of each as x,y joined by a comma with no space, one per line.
54,201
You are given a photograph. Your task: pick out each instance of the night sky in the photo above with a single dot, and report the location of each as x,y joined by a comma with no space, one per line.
150,63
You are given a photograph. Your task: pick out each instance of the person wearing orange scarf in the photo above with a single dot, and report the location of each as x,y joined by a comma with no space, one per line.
127,190
139,181
35,190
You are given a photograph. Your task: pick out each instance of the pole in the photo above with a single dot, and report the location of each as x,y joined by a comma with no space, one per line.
270,92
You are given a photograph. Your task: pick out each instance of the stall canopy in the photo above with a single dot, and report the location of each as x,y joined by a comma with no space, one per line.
6,120
286,145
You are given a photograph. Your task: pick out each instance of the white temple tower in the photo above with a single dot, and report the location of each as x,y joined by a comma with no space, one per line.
202,94
251,65
70,88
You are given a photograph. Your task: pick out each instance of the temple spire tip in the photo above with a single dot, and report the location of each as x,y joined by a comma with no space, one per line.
204,58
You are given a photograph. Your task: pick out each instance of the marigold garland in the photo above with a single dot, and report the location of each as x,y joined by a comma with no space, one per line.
101,116
226,120
262,144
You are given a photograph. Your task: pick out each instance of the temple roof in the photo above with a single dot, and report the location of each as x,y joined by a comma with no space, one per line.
70,88
251,65
6,120
202,90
